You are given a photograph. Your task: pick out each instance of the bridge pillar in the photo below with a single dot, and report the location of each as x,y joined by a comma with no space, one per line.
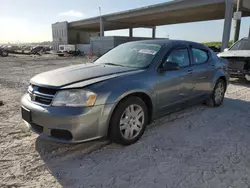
227,24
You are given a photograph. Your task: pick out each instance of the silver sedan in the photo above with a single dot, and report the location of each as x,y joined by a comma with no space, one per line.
119,94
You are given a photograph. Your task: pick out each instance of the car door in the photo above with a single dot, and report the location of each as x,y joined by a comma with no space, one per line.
174,86
203,68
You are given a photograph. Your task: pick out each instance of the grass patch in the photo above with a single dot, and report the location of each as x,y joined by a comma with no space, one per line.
216,43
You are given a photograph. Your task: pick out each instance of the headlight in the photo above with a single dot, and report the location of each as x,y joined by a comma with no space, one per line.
74,97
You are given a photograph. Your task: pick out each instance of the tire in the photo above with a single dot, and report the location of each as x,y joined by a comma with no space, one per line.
217,97
133,127
4,53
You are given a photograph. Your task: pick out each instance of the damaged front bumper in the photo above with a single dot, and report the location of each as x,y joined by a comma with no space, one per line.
239,67
234,73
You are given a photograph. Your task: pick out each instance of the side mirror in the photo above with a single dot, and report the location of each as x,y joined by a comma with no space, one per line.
168,66
226,49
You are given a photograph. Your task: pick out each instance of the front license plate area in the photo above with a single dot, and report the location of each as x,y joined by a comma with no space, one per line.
26,114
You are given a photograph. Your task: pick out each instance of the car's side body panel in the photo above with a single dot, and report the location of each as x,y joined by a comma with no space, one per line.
173,86
202,73
219,74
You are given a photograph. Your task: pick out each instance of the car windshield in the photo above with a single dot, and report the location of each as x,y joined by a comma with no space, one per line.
136,55
243,44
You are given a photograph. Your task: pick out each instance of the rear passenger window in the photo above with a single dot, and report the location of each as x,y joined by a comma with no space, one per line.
199,56
179,56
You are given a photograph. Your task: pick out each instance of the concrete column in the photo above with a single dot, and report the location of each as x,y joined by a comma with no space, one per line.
153,32
130,32
101,27
237,22
227,24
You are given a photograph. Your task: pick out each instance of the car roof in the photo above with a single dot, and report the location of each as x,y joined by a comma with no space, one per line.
163,42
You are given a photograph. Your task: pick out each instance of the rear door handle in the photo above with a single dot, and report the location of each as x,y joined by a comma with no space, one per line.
202,77
190,71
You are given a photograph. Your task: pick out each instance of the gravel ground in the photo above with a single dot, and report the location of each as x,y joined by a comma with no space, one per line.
196,147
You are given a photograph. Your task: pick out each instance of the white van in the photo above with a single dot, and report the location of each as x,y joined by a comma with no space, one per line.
67,48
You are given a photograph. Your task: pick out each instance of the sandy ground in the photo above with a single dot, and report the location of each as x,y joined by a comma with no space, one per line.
196,147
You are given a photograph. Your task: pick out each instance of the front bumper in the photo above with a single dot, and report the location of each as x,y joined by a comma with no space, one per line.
68,124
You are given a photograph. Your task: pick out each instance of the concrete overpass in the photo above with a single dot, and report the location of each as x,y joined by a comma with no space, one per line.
174,12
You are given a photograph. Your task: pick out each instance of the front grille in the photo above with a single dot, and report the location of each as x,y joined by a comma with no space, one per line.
43,100
47,90
41,95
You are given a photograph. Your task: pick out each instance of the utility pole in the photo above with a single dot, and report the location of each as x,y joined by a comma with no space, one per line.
153,32
101,23
237,21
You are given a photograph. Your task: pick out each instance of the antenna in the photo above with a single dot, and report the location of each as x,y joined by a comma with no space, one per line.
100,11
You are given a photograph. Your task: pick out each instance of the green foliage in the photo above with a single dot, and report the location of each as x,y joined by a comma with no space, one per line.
216,43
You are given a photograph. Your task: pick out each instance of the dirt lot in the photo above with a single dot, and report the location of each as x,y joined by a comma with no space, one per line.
196,147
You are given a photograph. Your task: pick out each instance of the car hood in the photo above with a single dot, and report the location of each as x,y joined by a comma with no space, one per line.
78,73
236,53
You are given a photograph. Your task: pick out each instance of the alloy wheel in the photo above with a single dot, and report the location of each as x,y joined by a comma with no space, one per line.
219,93
132,121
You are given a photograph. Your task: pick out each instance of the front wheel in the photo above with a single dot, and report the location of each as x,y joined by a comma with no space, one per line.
218,94
129,121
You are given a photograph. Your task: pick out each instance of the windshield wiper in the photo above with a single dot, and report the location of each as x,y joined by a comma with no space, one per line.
113,64
119,65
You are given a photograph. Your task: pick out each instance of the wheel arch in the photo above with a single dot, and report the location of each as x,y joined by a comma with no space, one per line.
220,75
144,96
224,79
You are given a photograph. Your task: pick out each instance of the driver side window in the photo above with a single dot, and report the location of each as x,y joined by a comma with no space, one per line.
179,56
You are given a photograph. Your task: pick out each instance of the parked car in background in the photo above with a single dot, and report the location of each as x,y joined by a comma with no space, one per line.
26,48
239,59
216,49
123,91
12,48
47,48
40,49
36,49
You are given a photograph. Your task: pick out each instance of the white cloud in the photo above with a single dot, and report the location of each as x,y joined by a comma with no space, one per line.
72,13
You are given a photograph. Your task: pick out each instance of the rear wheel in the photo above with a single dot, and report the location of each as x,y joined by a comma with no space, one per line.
218,94
129,121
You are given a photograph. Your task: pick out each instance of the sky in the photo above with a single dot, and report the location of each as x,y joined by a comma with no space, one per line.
30,20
